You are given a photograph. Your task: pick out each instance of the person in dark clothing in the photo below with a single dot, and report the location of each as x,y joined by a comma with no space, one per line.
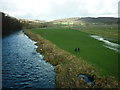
77,49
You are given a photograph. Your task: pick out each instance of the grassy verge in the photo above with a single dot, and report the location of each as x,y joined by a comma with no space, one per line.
68,66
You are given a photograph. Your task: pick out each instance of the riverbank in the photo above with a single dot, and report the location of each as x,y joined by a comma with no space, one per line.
68,67
91,50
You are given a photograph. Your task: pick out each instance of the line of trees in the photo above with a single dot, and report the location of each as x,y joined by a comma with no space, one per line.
30,25
26,24
10,24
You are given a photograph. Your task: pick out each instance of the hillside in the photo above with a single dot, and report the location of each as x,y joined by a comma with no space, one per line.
93,20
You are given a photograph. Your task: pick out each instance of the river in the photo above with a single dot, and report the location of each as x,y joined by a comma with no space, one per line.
22,66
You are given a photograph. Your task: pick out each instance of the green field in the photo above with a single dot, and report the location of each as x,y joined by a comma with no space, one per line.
91,50
109,32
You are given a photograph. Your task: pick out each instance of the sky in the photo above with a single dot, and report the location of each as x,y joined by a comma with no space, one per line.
59,9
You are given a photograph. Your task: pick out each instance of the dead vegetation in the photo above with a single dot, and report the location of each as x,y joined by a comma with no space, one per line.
68,67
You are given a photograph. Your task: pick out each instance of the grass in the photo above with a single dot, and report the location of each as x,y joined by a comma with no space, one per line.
68,66
91,50
106,31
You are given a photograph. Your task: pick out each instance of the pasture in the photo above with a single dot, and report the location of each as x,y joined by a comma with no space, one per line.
91,50
110,32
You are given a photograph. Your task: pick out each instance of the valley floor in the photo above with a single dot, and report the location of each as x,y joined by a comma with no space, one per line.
69,65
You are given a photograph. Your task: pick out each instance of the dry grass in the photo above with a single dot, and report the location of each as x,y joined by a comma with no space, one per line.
68,67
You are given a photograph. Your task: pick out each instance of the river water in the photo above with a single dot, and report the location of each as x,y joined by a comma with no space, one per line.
22,66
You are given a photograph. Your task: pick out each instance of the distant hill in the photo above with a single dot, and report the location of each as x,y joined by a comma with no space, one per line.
30,21
103,20
29,24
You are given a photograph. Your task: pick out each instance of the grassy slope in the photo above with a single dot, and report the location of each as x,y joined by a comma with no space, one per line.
91,49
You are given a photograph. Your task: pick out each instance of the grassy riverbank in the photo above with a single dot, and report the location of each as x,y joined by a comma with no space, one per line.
91,50
67,65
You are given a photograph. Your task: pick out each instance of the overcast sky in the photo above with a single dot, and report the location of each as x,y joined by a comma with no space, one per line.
57,9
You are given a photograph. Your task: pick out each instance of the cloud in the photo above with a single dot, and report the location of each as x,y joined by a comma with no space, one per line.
56,9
